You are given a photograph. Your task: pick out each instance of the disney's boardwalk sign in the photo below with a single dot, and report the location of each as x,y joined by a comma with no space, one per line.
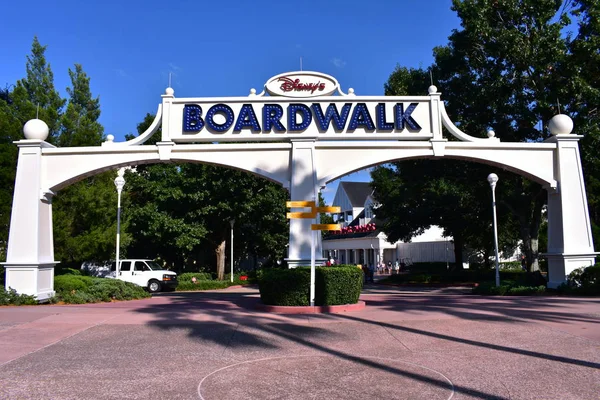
283,116
302,131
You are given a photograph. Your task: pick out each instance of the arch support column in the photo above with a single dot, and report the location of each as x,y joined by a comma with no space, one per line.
570,243
30,254
303,187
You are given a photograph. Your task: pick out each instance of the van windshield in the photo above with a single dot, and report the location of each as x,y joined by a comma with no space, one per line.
154,266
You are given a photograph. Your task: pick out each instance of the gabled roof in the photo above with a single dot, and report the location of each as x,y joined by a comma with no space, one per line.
357,192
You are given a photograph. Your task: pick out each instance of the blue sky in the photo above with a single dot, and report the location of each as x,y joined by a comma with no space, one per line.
218,48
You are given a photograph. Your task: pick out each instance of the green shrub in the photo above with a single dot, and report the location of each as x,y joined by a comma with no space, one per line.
74,289
69,283
11,297
507,288
526,290
66,271
202,285
583,281
285,287
336,285
340,285
201,276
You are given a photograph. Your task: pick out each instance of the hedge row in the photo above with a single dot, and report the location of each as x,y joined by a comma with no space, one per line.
76,289
469,276
291,287
508,289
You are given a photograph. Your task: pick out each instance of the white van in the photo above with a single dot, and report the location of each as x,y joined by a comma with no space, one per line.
145,273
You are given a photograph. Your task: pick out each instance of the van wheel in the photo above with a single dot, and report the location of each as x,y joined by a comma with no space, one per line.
154,286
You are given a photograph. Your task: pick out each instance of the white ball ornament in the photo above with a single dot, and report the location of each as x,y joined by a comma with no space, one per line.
432,89
560,124
491,133
35,129
169,91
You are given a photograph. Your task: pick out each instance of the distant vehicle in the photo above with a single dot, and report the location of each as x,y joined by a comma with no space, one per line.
145,273
100,269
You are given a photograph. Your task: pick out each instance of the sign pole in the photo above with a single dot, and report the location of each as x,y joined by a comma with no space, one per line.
312,214
312,268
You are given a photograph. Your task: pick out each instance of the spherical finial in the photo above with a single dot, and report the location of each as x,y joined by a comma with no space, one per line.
169,91
560,124
350,91
110,138
432,89
491,133
252,92
492,179
35,129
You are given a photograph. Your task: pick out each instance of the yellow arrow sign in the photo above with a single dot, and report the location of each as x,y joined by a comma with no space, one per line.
297,215
328,209
294,204
325,227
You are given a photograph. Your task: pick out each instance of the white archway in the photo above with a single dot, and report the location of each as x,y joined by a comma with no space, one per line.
302,137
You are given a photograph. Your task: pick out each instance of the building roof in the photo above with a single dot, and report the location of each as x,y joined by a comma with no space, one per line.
357,192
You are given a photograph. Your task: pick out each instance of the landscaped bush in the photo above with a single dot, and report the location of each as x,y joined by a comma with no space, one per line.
285,287
200,276
507,288
75,289
340,284
468,276
66,271
583,281
202,285
12,298
69,283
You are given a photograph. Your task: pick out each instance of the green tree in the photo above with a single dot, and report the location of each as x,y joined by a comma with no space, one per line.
505,69
182,213
80,126
584,98
36,95
31,97
85,212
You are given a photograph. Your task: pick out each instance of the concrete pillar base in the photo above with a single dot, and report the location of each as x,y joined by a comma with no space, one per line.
560,265
31,279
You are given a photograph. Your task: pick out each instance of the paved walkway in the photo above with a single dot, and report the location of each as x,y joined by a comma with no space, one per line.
407,344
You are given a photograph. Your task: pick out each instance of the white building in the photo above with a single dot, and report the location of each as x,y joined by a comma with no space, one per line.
361,240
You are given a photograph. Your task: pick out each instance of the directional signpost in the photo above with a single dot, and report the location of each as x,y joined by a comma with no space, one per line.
312,214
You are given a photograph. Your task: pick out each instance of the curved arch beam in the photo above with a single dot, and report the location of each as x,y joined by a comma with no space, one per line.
141,139
66,166
453,129
536,160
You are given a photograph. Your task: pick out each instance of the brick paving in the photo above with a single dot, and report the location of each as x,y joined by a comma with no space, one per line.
408,343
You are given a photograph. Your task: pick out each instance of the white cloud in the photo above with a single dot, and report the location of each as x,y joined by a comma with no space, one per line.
121,73
338,62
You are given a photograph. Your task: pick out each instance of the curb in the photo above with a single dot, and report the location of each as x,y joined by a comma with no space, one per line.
312,309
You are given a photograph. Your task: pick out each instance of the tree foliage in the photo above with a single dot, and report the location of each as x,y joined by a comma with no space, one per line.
31,97
182,213
507,68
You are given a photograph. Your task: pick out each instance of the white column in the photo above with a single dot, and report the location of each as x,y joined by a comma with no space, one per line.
570,243
30,255
303,187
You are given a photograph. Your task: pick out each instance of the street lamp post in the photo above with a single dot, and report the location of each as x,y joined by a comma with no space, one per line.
232,222
493,179
119,183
